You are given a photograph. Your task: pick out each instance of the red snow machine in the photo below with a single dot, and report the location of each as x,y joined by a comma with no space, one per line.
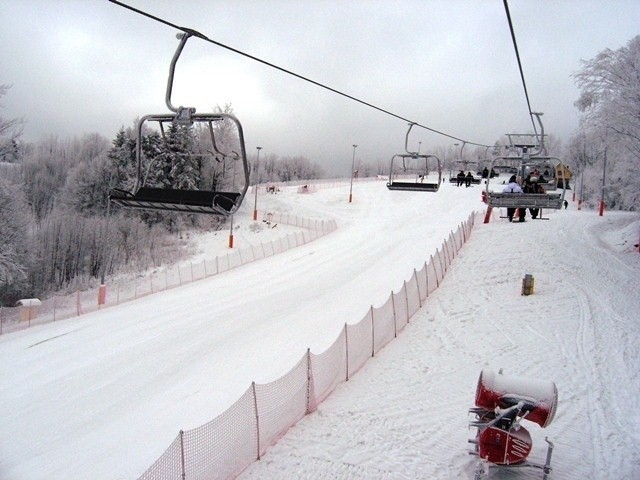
502,403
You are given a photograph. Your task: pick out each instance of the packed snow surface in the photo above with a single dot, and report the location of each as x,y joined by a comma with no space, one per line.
101,396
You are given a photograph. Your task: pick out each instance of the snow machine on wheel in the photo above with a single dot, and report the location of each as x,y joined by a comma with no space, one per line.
502,403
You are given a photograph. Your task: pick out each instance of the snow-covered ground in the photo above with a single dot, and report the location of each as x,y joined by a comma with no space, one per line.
101,396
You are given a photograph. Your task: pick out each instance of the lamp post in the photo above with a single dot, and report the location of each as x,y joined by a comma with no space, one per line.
455,155
353,166
255,185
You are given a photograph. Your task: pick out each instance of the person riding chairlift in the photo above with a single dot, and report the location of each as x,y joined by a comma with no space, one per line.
514,187
468,179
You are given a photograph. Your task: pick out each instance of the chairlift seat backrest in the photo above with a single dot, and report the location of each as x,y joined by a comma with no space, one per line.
525,200
188,201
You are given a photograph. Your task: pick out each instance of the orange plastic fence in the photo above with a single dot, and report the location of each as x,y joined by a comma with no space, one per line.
224,447
81,302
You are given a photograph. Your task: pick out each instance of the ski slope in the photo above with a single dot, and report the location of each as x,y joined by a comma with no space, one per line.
101,396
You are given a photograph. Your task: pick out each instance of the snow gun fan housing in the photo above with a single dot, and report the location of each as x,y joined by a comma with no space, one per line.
502,403
539,398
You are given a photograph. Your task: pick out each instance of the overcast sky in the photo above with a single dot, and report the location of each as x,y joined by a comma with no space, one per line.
84,66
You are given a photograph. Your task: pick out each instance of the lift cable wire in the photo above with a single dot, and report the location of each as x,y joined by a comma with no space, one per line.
197,34
515,46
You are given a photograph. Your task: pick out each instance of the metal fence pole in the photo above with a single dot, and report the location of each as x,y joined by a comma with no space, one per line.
255,409
182,455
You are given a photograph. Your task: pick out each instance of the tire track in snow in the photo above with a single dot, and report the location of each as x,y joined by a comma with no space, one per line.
602,352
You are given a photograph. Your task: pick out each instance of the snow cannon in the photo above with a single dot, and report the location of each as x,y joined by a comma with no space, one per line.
502,403
539,397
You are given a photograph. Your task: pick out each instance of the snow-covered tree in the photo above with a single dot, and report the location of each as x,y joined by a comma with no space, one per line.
14,239
87,187
610,107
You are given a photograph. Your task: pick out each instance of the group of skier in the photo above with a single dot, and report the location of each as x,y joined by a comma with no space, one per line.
463,179
530,185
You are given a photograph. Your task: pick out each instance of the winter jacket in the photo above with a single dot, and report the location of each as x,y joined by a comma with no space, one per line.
512,187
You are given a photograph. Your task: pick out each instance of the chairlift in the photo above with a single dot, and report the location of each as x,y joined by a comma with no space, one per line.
523,163
410,171
462,164
213,200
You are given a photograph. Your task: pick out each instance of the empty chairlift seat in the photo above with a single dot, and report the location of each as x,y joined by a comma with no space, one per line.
166,199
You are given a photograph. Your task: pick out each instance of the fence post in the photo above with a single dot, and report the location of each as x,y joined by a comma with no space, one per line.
445,252
346,349
406,298
393,307
426,278
434,269
78,309
373,335
311,400
442,269
452,246
182,454
255,410
415,275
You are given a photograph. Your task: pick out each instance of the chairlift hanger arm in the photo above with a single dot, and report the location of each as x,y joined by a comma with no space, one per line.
406,140
183,114
462,149
542,148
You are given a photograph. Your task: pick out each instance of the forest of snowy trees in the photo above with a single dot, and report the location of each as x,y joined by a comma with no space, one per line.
57,232
609,132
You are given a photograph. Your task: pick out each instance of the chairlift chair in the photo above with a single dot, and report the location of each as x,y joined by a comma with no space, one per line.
466,166
212,201
524,160
409,171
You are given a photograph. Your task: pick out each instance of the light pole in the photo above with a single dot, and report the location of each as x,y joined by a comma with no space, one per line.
353,166
455,155
255,185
